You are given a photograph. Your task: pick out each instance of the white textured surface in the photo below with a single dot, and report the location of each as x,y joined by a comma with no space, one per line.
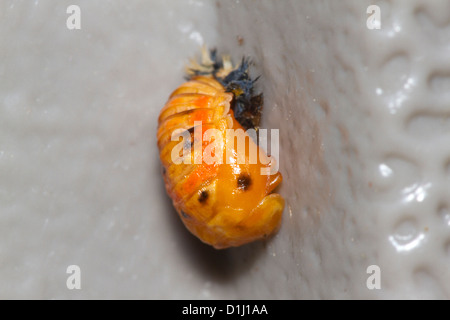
364,130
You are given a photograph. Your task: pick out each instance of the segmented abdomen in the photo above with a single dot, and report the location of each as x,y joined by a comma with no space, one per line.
200,99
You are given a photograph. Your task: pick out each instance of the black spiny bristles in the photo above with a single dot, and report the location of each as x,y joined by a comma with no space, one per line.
246,105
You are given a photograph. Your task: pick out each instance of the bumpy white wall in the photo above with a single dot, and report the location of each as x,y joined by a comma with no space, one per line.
364,130
364,125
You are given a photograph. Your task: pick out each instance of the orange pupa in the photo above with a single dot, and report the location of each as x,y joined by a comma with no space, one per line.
224,203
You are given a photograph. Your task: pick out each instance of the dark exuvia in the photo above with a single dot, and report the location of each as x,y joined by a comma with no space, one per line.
246,105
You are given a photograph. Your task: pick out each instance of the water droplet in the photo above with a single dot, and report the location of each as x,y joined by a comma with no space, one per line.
406,236
385,170
417,192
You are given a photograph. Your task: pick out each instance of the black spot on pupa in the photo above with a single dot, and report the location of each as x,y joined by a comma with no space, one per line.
189,144
191,130
244,181
164,170
203,196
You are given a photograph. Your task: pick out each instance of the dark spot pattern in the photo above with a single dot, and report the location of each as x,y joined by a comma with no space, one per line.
244,181
203,196
189,144
191,130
